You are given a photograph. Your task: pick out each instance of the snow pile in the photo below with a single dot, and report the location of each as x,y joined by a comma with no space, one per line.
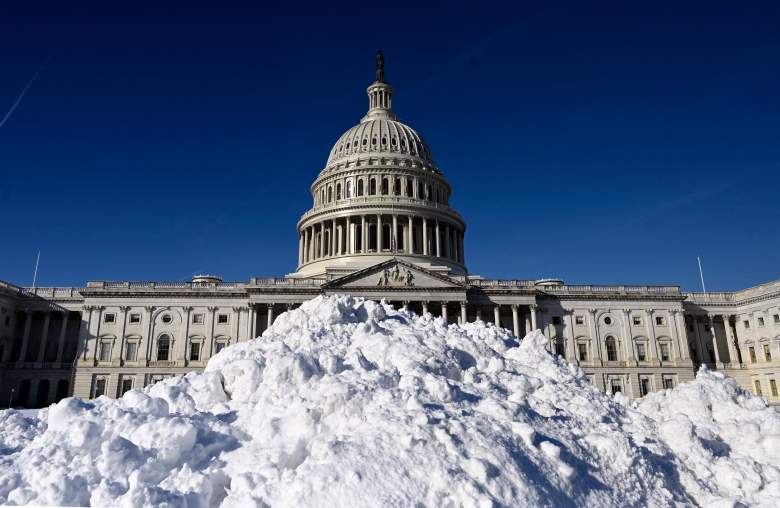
346,402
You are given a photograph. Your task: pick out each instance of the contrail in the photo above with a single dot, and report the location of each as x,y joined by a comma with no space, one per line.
24,91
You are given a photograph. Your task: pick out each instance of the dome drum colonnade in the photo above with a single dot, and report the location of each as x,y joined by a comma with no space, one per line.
380,195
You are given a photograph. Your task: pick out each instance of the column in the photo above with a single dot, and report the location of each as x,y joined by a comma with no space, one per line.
25,335
210,332
463,313
378,233
571,354
117,355
84,332
651,336
526,323
425,236
515,321
497,315
410,236
350,237
444,311
732,343
63,333
363,235
44,333
462,250
333,242
479,313
425,307
270,315
596,353
447,243
711,324
394,233
699,343
533,308
300,249
305,258
628,347
183,356
322,240
438,240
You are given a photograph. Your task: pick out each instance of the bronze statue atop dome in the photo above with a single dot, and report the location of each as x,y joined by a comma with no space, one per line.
380,66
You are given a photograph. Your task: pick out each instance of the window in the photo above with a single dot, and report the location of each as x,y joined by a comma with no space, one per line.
385,186
660,321
582,352
99,387
330,194
760,321
611,344
163,347
644,386
616,386
195,351
637,321
668,382
746,323
219,346
131,351
135,318
360,188
757,384
752,352
773,387
197,319
109,317
579,320
397,187
560,346
338,191
664,352
409,188
767,353
125,385
166,318
349,189
372,186
420,191
156,378
607,320
104,354
641,352
776,317
222,319
556,320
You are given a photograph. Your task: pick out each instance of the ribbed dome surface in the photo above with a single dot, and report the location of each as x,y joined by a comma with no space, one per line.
380,136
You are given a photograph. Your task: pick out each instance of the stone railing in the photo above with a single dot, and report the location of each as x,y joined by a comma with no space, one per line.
501,284
52,292
705,298
380,200
590,289
286,282
99,284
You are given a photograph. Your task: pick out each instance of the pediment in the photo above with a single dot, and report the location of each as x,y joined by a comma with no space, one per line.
394,274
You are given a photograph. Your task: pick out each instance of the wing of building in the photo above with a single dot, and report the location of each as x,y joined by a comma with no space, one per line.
380,226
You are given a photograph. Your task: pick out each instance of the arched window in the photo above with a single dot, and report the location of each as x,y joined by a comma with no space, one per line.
360,187
163,347
349,189
611,344
338,191
372,187
397,187
409,187
420,191
385,186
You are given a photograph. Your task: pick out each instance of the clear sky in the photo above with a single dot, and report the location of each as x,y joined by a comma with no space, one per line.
598,142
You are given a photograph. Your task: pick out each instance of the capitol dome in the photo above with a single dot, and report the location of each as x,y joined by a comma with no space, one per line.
380,196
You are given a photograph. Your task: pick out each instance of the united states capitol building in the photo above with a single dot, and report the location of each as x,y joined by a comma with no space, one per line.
380,226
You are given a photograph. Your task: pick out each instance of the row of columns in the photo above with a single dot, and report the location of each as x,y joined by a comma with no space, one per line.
531,317
44,337
420,189
351,235
735,355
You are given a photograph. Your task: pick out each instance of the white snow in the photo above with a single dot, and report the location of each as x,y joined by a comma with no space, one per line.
347,402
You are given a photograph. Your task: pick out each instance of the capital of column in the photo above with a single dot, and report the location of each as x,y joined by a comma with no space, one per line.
533,306
124,308
187,308
289,306
515,306
150,308
270,306
592,310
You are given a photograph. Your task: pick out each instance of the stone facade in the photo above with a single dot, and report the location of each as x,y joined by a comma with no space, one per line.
380,227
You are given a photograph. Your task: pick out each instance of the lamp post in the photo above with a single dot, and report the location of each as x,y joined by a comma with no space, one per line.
10,398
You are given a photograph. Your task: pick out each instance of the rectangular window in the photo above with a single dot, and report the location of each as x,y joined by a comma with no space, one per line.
660,321
637,320
746,323
104,354
668,382
664,349
219,346
767,353
195,351
760,321
197,319
776,317
644,386
156,378
222,319
773,387
641,352
757,384
582,350
135,318
125,385
109,317
752,352
579,320
556,320
99,388
131,351
616,386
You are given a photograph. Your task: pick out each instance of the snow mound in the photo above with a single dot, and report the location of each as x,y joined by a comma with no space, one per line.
348,402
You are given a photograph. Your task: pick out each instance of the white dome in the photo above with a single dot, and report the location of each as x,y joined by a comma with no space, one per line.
380,136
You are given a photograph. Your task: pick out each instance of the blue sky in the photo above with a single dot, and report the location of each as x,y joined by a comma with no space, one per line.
607,142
